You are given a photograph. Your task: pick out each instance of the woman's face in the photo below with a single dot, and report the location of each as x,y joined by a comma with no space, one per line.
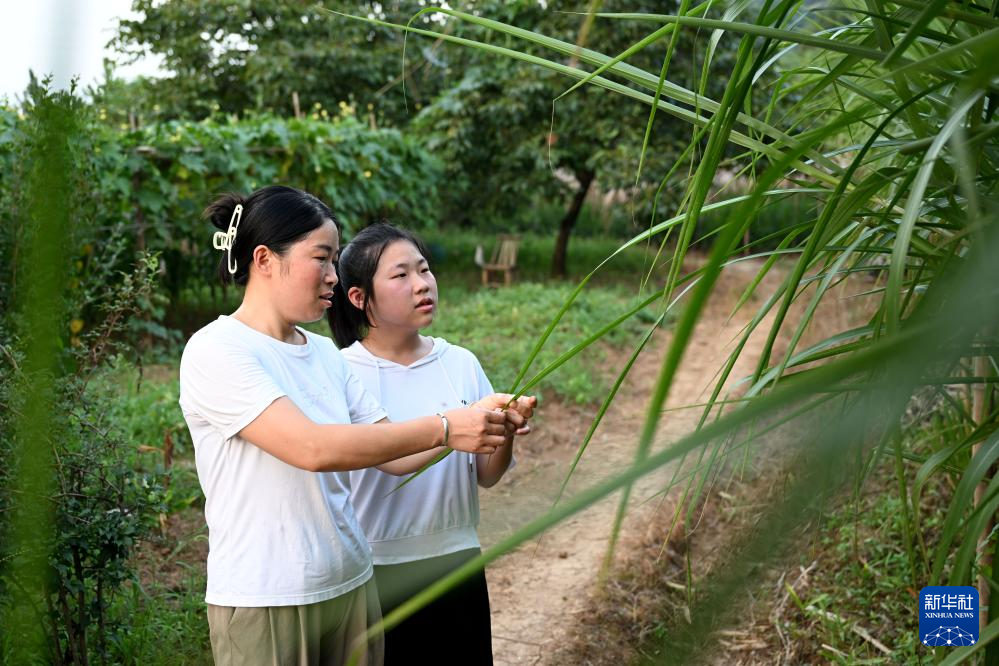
405,291
306,274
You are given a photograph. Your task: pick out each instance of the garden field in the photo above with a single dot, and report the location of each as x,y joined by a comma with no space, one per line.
541,590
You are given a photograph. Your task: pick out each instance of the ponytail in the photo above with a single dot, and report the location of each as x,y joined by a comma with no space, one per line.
347,323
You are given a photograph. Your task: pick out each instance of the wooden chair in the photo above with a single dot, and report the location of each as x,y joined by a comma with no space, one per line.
504,259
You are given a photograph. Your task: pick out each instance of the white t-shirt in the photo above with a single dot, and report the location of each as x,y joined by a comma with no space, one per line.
277,535
436,513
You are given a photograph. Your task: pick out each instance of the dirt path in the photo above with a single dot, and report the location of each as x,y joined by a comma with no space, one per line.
537,591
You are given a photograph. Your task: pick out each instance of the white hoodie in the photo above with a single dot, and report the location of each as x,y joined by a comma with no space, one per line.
437,513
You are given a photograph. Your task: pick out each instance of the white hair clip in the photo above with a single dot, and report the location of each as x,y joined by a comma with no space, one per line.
224,241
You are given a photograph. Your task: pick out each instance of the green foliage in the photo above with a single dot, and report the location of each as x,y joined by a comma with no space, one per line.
148,187
500,325
489,120
102,505
501,125
71,505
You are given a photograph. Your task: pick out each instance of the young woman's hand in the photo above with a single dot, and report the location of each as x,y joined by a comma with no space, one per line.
490,469
477,430
525,406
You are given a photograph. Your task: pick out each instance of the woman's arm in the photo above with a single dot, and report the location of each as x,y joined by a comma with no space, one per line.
411,463
289,435
524,406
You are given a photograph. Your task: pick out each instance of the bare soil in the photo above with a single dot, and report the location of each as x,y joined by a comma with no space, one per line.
545,594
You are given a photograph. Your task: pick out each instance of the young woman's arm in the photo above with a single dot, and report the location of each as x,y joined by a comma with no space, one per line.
490,467
283,431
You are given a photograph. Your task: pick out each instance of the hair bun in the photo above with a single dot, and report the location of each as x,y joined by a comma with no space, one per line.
220,211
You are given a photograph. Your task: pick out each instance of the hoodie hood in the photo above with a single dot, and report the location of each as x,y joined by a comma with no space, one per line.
358,353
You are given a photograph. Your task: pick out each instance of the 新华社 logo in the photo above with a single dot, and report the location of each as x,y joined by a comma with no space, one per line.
948,615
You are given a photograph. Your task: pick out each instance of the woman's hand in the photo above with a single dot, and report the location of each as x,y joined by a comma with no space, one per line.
477,430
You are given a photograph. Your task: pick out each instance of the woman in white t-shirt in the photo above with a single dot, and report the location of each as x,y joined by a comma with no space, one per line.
269,407
427,528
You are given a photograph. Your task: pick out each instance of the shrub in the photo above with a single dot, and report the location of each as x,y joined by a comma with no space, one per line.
71,505
148,186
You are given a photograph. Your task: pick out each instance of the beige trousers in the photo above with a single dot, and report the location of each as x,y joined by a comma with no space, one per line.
320,634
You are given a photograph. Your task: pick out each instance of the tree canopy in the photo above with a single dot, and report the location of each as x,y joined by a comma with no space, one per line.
507,145
236,55
506,141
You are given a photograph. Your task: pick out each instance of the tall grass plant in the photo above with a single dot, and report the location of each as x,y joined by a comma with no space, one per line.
883,113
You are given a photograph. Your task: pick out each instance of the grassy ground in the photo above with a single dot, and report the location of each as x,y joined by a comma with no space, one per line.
855,597
501,327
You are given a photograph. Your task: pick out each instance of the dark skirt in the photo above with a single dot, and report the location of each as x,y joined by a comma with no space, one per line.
454,629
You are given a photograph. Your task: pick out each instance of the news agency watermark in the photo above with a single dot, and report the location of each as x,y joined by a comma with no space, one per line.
948,615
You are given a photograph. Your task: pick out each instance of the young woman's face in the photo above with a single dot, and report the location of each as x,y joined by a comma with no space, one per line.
306,274
405,291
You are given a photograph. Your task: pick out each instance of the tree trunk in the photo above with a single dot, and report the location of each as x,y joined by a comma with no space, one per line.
568,222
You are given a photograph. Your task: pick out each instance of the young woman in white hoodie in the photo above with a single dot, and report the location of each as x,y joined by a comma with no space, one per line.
277,419
426,529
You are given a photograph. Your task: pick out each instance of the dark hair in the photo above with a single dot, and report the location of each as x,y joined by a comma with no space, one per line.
275,216
357,266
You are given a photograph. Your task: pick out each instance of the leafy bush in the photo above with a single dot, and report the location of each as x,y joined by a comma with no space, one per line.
149,185
101,505
71,505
